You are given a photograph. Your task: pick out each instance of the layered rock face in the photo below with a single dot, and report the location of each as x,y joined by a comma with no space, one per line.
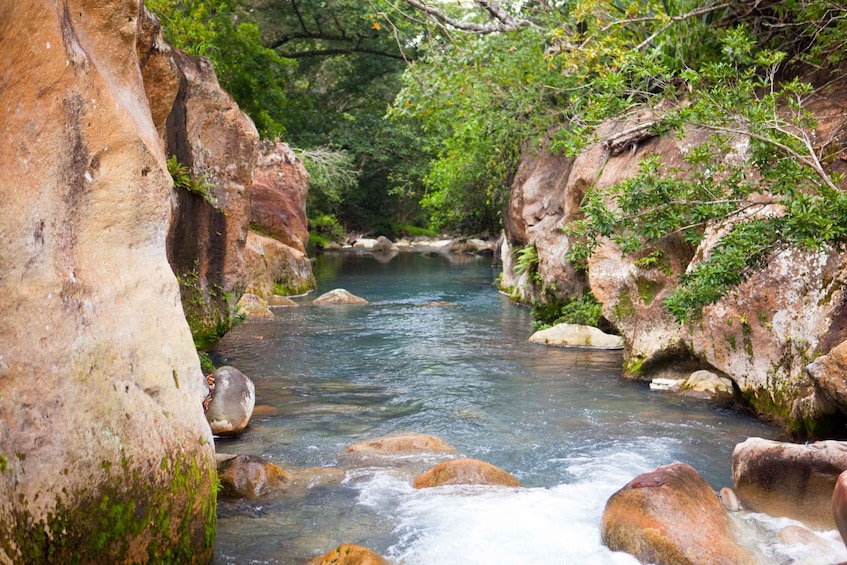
762,336
207,133
105,455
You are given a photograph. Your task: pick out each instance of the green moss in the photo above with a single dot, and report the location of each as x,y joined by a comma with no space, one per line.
174,513
283,289
4,464
648,290
634,365
731,340
624,307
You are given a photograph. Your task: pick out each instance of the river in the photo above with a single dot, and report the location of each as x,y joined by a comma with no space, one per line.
438,350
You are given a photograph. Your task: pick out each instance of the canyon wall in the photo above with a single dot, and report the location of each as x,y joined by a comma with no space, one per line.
763,335
105,454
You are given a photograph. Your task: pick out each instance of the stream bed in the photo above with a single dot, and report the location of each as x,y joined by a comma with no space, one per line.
439,351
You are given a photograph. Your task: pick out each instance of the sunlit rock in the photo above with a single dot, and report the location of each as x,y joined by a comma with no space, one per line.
789,479
349,555
273,267
233,399
280,187
365,243
465,472
729,500
105,456
402,444
672,516
666,385
575,335
338,296
252,306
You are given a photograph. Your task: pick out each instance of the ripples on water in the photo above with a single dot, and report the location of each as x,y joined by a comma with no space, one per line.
562,421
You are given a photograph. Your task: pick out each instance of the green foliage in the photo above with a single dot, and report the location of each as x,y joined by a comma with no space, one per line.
325,228
183,180
206,363
585,310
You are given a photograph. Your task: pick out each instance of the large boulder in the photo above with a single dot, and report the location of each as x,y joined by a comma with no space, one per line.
839,505
789,479
671,516
465,472
208,134
275,268
575,335
233,399
338,296
105,456
280,186
349,554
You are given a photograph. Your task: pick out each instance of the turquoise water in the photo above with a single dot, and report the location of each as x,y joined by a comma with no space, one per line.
438,350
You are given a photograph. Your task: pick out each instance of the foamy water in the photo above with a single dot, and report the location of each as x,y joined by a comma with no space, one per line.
562,421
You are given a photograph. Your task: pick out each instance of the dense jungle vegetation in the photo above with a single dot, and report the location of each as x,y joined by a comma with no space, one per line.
411,114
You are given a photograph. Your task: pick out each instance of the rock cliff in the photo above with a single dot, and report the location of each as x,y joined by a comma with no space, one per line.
763,335
105,455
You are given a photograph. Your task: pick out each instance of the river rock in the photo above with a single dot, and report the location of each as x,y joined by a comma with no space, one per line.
384,245
575,335
788,479
105,456
280,301
839,505
248,476
365,243
671,516
402,444
465,472
208,133
252,306
337,296
233,399
706,384
280,187
273,267
349,554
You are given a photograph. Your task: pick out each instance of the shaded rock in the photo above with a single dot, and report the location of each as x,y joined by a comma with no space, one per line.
383,245
839,505
337,296
402,444
671,516
465,472
233,399
575,335
275,268
209,135
280,187
828,373
252,306
247,476
158,69
101,386
706,384
280,301
349,555
788,479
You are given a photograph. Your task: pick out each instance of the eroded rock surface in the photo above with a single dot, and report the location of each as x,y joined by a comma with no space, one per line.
100,387
280,186
671,516
789,479
575,335
338,296
273,267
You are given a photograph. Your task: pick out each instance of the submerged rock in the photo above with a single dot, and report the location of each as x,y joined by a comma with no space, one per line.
465,472
252,306
349,555
337,296
575,335
401,444
671,516
247,476
277,300
233,399
788,479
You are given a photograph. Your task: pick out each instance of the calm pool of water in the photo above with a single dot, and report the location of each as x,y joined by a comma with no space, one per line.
438,350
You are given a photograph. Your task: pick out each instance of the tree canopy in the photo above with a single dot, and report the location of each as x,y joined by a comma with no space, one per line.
429,103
